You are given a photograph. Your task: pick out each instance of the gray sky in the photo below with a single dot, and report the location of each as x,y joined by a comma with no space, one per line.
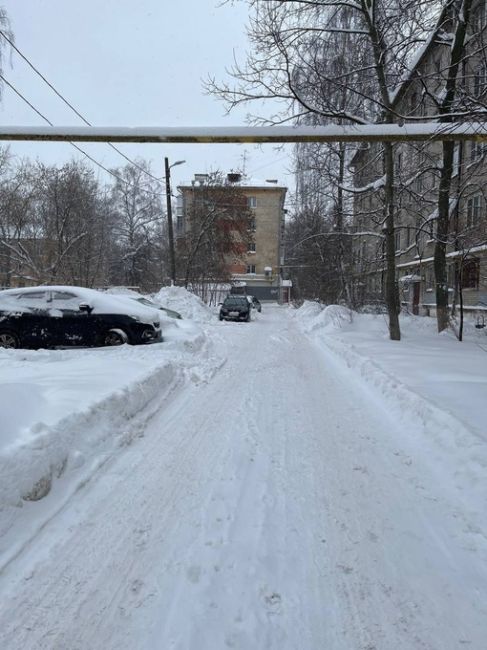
127,63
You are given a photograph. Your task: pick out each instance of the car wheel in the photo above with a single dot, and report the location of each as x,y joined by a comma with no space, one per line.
9,340
115,337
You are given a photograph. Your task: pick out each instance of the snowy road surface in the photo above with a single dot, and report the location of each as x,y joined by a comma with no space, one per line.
275,506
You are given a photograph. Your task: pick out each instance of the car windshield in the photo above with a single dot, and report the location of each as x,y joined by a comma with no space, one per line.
234,301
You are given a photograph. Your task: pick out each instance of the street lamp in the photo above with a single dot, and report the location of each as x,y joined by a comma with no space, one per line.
170,230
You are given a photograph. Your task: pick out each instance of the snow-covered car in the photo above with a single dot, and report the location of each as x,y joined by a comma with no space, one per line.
148,303
124,292
235,308
254,303
49,316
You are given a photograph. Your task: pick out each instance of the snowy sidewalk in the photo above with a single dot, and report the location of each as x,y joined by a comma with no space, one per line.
451,376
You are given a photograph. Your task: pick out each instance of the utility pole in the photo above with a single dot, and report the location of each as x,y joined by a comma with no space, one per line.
170,230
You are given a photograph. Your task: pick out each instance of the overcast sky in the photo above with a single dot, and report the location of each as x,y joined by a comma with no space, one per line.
127,63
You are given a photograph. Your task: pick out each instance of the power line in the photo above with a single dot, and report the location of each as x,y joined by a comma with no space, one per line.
62,98
100,165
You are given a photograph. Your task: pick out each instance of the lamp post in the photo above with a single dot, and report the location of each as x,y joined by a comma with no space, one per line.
170,230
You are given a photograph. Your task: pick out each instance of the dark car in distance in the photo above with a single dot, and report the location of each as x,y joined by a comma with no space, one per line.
254,303
51,316
235,308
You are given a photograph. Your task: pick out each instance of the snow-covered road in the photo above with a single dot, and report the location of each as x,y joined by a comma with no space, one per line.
273,506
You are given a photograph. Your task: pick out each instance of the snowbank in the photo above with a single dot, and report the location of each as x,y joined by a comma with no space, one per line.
185,302
429,377
313,316
65,413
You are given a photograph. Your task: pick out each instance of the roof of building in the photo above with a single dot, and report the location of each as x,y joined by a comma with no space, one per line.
245,183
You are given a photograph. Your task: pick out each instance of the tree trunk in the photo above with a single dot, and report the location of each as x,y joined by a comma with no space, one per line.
460,295
339,224
441,275
391,290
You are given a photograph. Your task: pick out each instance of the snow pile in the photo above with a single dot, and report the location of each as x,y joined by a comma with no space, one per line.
429,377
307,312
65,413
185,302
313,316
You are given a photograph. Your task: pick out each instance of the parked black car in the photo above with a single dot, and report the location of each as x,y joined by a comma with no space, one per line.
41,317
235,308
254,303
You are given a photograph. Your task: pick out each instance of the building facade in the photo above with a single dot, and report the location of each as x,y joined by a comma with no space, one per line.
418,171
253,261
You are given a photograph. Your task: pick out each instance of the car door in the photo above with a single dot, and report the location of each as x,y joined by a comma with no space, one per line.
33,323
74,326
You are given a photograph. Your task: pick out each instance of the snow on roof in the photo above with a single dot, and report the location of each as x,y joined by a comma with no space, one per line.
245,182
410,278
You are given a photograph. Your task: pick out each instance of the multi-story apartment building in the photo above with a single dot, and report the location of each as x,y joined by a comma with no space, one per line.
254,261
417,167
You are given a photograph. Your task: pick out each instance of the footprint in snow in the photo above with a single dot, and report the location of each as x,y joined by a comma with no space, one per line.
273,602
194,574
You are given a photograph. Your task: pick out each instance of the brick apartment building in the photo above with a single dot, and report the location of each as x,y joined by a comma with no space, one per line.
256,264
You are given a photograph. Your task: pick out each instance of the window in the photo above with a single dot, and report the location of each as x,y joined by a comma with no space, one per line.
252,201
479,80
476,151
470,274
33,299
473,210
252,224
32,295
252,247
63,295
250,268
397,240
408,236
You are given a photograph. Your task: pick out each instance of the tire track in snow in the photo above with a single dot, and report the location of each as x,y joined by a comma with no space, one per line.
303,521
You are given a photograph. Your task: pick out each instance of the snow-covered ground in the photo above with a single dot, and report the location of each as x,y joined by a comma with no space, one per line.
297,483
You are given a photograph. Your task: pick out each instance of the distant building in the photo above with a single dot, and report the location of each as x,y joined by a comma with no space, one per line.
256,265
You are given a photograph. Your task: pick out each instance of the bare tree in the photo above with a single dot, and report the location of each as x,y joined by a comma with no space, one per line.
287,64
138,213
218,231
5,28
